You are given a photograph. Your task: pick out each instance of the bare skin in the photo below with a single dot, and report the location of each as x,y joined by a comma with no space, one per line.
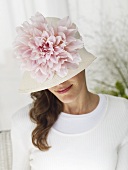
75,95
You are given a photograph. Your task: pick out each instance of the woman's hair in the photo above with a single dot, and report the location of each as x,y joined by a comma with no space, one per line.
45,111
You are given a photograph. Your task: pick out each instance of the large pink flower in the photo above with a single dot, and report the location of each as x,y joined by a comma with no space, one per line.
46,50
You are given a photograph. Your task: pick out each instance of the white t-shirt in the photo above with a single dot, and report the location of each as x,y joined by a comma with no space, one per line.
72,124
102,147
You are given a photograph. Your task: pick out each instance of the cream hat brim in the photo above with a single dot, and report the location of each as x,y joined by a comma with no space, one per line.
29,85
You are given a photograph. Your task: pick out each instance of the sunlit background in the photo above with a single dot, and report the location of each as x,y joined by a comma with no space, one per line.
98,22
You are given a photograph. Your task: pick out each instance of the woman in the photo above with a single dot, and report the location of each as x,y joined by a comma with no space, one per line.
67,126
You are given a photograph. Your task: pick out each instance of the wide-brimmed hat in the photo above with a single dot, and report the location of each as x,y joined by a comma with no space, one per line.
51,51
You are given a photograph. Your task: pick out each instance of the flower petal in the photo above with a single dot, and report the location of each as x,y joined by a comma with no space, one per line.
78,44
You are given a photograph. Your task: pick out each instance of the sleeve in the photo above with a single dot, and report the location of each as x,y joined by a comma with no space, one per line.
122,163
20,144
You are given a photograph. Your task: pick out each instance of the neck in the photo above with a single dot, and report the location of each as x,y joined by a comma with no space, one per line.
86,102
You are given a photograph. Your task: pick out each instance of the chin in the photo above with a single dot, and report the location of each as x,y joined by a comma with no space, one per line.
67,99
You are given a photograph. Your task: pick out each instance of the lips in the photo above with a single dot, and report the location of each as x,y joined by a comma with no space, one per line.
64,90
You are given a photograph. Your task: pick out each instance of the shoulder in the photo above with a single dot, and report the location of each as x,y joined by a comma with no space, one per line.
117,114
118,108
117,101
21,117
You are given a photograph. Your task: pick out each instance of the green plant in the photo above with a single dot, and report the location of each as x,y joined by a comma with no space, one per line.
118,90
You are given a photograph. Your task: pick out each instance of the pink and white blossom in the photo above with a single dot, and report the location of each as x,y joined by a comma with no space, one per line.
46,50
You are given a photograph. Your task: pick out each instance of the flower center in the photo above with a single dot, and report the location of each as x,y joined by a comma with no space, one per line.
44,48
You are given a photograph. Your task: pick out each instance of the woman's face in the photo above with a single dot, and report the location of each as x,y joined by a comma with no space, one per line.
69,90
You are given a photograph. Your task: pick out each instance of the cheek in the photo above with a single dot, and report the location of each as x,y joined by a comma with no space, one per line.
51,90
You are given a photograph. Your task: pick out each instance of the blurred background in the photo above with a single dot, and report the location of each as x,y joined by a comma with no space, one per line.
103,26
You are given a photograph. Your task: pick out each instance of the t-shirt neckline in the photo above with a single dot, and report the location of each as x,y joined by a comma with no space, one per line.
88,131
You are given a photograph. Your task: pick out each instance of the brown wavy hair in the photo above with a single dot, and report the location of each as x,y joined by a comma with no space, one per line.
45,111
